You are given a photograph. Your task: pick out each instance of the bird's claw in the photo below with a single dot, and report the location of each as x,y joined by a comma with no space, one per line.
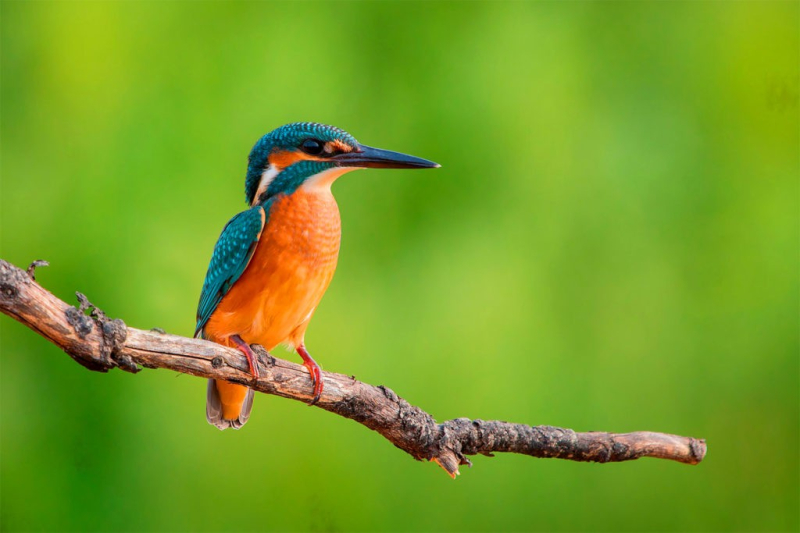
314,371
316,378
248,352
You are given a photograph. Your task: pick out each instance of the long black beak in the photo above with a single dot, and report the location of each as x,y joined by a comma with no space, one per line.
366,156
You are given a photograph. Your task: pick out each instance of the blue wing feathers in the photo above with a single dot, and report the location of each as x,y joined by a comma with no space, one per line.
232,254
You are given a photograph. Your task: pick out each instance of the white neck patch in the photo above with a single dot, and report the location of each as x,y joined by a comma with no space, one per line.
266,178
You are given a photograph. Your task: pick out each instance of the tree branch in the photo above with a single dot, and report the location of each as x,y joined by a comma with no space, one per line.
99,343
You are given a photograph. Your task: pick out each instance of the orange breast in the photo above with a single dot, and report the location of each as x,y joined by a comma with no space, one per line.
273,300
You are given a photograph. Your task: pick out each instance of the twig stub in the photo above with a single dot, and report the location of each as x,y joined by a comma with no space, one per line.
34,265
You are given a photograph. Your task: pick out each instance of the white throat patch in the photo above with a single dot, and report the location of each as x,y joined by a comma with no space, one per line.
324,180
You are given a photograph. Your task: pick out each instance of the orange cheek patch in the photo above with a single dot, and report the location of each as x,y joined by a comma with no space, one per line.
281,159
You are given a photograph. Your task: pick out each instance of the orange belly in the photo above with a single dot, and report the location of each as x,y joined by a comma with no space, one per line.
293,263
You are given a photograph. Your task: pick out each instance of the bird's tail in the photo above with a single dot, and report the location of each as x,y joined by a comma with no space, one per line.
228,405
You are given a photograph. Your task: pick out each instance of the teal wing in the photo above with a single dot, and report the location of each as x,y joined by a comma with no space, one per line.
232,254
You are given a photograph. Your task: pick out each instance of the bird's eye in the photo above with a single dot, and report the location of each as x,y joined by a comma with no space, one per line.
312,146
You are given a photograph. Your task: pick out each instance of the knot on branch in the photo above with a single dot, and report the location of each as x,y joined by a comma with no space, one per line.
113,334
12,281
455,439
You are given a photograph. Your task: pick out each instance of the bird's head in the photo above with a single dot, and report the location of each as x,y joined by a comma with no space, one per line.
312,154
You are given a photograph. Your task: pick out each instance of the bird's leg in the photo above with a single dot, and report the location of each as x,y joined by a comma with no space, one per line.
251,357
314,370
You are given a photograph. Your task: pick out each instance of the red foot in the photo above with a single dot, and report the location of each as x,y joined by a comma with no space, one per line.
251,357
314,370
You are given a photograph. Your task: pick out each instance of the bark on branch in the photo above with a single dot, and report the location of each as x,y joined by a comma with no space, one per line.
100,344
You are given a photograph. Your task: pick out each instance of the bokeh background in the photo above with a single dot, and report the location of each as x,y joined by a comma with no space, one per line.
611,244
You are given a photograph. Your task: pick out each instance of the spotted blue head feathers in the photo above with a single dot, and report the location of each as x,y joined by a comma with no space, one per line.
291,138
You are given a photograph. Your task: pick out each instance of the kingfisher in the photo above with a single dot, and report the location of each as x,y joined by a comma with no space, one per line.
273,262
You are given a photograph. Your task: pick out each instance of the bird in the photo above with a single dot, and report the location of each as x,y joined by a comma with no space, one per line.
274,261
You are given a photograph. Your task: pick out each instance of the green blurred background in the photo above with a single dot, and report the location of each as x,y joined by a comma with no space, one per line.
611,244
